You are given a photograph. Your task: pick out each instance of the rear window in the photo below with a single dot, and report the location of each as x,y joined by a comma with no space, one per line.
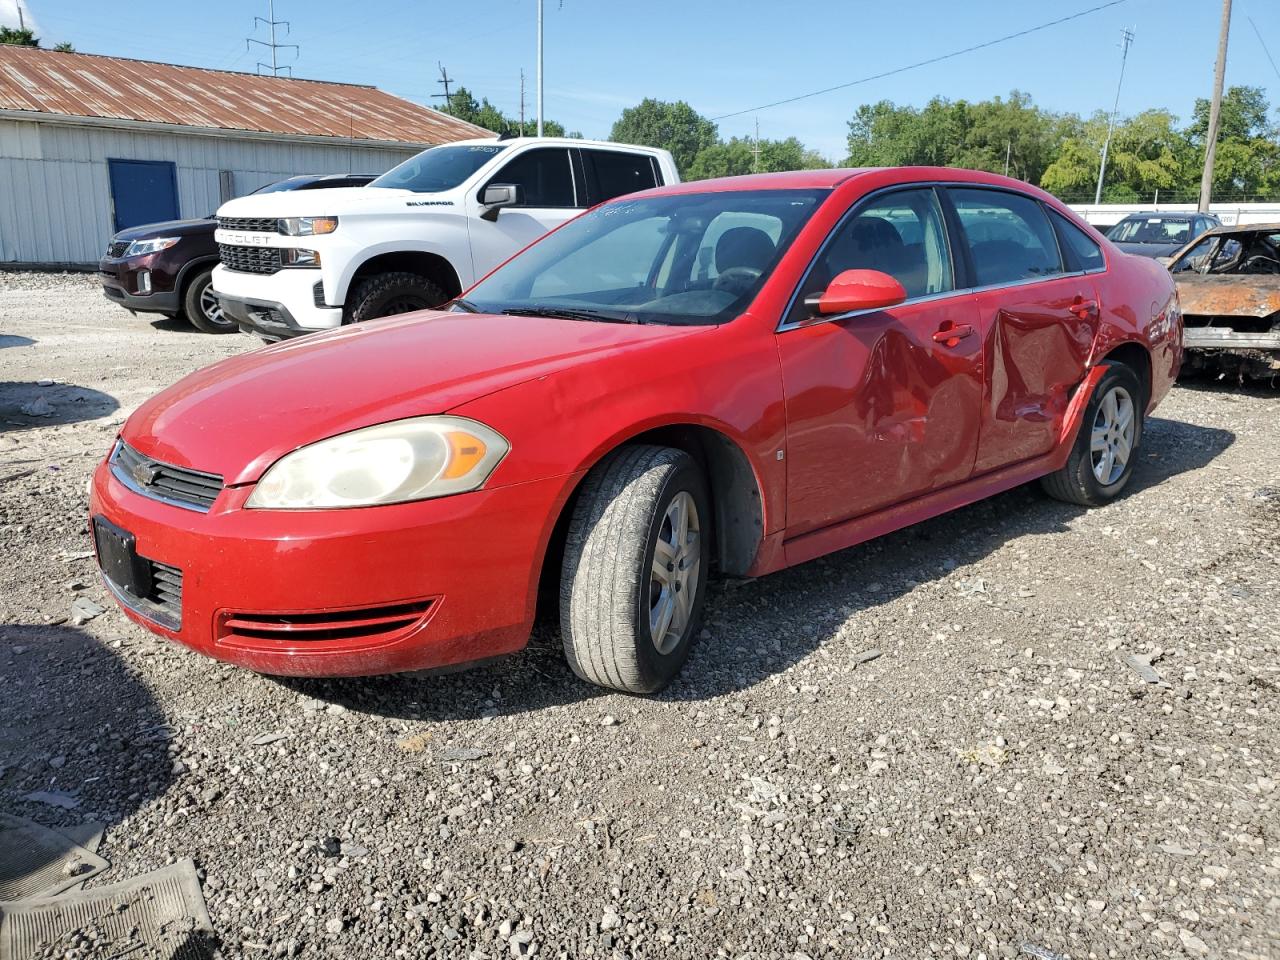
1081,251
1009,236
612,174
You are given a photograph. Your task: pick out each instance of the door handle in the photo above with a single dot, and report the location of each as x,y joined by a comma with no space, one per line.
956,333
1084,309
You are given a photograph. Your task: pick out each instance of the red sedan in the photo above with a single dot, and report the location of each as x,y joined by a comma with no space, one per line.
726,377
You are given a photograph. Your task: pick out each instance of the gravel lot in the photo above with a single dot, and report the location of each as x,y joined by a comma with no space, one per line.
999,778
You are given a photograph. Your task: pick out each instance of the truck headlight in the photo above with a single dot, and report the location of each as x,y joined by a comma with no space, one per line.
416,459
295,257
139,247
307,226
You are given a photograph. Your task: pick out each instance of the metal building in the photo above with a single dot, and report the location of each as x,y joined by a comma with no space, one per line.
90,145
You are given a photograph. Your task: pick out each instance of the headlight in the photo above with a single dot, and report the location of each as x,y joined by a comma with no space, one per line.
414,459
308,226
295,257
139,247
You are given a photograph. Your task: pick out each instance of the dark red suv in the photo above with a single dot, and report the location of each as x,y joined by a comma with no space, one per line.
165,267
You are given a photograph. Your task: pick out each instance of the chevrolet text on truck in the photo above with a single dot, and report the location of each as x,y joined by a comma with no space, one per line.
415,237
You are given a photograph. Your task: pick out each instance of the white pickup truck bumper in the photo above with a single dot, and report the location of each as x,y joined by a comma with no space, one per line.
277,305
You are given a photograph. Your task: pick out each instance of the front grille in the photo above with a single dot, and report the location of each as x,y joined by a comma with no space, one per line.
178,486
249,259
163,603
251,224
369,624
116,248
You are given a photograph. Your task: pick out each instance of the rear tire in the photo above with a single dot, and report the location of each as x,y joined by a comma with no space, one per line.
202,308
389,294
1105,451
635,568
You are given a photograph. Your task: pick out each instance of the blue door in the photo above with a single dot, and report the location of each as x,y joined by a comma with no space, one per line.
143,191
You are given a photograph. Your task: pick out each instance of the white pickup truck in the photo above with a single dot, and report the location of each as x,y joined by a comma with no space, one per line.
416,237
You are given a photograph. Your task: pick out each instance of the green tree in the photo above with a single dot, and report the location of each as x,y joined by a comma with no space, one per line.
737,156
64,47
672,126
18,37
464,106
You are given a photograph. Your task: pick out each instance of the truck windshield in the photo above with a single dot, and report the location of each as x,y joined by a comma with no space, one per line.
440,168
687,259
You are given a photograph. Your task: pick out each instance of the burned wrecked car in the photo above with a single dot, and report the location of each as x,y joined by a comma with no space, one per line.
1229,285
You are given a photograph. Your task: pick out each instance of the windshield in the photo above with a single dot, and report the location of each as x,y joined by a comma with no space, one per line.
1151,230
440,168
688,259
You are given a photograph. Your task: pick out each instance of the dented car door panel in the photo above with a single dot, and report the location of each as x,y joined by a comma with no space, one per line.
1038,338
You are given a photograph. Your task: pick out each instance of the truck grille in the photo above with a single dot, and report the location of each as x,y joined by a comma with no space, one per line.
250,224
249,259
178,486
116,248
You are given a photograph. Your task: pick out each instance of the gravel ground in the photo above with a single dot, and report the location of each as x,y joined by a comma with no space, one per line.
945,742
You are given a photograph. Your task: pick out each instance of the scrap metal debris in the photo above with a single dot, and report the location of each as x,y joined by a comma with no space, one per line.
84,609
1141,665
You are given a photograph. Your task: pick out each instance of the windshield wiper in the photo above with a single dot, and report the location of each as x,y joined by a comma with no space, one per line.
567,313
465,305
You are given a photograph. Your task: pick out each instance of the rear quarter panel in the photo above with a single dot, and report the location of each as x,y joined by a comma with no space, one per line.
1138,304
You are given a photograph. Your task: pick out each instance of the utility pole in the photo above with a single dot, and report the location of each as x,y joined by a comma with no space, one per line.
539,67
1215,111
446,80
1008,152
755,150
272,23
522,101
1126,38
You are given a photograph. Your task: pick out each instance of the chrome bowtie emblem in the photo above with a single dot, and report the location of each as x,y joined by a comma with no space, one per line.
144,472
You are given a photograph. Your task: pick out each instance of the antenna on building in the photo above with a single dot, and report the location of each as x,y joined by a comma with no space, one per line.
446,80
271,22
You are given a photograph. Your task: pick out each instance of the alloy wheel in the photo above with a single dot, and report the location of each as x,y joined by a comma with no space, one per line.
210,306
674,581
1111,443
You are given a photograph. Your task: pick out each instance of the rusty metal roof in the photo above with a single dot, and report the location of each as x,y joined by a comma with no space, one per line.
87,85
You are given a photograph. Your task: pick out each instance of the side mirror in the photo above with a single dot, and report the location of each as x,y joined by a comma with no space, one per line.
496,196
857,290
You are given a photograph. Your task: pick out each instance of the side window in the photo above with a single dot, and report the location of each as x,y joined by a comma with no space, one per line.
1082,251
1197,258
1008,234
621,259
611,174
902,234
544,177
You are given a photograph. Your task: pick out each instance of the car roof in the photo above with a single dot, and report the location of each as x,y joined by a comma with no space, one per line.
829,179
1166,215
550,141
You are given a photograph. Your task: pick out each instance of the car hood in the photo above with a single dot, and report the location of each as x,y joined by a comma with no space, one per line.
1148,249
310,203
240,415
169,228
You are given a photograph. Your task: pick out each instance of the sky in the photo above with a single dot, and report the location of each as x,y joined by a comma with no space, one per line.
722,57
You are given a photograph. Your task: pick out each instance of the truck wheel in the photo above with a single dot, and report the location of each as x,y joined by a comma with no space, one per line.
202,308
1105,452
635,568
388,294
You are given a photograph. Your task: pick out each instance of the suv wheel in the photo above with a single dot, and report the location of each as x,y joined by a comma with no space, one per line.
202,308
391,293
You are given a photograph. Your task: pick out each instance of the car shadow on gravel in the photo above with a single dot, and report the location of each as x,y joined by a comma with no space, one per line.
31,404
757,629
78,727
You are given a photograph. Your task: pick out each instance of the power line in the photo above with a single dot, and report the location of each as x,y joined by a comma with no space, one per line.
925,63
1258,33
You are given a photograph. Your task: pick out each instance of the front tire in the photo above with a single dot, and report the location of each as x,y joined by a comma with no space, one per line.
388,294
635,569
202,308
1105,451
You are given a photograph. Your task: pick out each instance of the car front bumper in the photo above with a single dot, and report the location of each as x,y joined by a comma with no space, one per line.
120,285
277,305
314,586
